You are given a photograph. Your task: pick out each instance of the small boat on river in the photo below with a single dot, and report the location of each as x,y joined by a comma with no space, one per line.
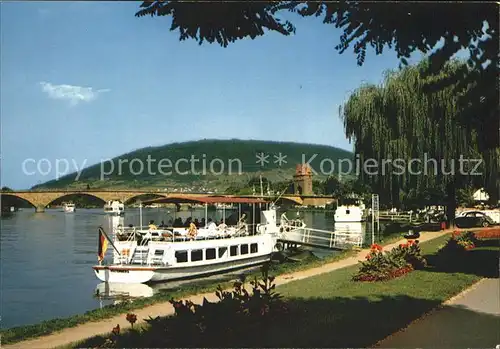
68,207
115,208
351,210
143,255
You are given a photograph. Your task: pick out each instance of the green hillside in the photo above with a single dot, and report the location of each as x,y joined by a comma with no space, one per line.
216,164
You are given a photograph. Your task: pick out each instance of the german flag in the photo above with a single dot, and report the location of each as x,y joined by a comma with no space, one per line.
102,245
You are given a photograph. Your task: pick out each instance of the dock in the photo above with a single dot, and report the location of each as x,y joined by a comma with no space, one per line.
319,238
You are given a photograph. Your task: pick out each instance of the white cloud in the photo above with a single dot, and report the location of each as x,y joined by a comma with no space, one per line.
74,94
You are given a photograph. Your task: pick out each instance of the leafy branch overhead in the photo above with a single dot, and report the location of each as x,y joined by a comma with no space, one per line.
404,26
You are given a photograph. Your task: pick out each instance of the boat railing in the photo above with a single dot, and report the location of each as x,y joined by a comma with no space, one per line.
143,236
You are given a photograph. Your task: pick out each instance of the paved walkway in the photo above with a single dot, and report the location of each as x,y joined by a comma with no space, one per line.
468,320
91,329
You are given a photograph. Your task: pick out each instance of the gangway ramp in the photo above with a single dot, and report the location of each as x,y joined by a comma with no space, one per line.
319,238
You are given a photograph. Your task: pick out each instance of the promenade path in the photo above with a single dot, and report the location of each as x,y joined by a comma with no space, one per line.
468,320
84,331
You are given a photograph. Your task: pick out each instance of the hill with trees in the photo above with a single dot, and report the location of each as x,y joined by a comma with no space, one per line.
205,165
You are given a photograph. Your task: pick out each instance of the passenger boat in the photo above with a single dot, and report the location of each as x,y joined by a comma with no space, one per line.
351,210
153,255
68,207
114,207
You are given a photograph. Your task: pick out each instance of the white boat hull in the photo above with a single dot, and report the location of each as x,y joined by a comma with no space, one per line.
349,220
69,209
138,274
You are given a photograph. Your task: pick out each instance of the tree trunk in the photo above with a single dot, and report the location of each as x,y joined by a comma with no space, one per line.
451,204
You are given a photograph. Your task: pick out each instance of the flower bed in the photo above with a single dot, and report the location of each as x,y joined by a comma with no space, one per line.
489,233
206,324
381,266
459,243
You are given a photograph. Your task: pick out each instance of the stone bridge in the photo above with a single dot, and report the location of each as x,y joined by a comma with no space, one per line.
41,199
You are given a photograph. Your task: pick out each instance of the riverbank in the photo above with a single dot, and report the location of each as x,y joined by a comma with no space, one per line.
290,273
324,309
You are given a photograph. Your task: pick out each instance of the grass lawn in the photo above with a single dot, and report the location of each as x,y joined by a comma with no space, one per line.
330,310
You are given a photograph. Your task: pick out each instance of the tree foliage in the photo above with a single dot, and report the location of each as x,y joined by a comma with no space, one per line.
405,27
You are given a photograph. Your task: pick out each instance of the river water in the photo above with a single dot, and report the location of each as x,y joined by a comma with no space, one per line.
47,258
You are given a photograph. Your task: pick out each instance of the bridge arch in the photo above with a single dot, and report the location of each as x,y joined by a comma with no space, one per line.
73,197
13,199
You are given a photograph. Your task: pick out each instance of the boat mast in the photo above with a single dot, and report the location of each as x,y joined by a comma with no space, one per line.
206,213
140,214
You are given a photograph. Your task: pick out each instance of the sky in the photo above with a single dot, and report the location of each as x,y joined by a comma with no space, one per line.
86,81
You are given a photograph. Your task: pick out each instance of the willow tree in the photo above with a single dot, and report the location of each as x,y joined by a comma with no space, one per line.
402,119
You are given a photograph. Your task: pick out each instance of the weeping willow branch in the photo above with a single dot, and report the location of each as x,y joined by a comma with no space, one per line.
402,119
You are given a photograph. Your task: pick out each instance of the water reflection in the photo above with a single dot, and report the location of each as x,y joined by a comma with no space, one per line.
118,292
351,228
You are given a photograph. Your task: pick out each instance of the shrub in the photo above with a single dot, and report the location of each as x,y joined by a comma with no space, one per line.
400,260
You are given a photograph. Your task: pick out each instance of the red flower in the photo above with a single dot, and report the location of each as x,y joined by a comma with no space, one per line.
369,256
132,318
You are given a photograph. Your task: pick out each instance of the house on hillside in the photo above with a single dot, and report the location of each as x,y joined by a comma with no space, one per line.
481,195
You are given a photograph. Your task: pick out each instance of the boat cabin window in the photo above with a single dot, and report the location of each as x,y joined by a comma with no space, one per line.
210,253
159,253
222,252
244,249
181,256
196,255
233,251
347,211
254,248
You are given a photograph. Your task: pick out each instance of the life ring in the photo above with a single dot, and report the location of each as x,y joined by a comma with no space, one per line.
125,252
279,246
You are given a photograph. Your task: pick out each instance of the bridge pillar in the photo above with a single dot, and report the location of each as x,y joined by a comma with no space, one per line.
40,209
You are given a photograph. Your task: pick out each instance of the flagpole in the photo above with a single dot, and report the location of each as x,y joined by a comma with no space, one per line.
107,237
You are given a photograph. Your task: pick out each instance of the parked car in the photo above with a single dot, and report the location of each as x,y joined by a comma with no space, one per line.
471,219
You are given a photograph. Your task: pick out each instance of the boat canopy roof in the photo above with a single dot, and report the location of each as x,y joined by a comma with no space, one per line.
180,199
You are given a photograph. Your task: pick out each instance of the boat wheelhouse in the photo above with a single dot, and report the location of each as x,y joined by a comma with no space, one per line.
143,255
